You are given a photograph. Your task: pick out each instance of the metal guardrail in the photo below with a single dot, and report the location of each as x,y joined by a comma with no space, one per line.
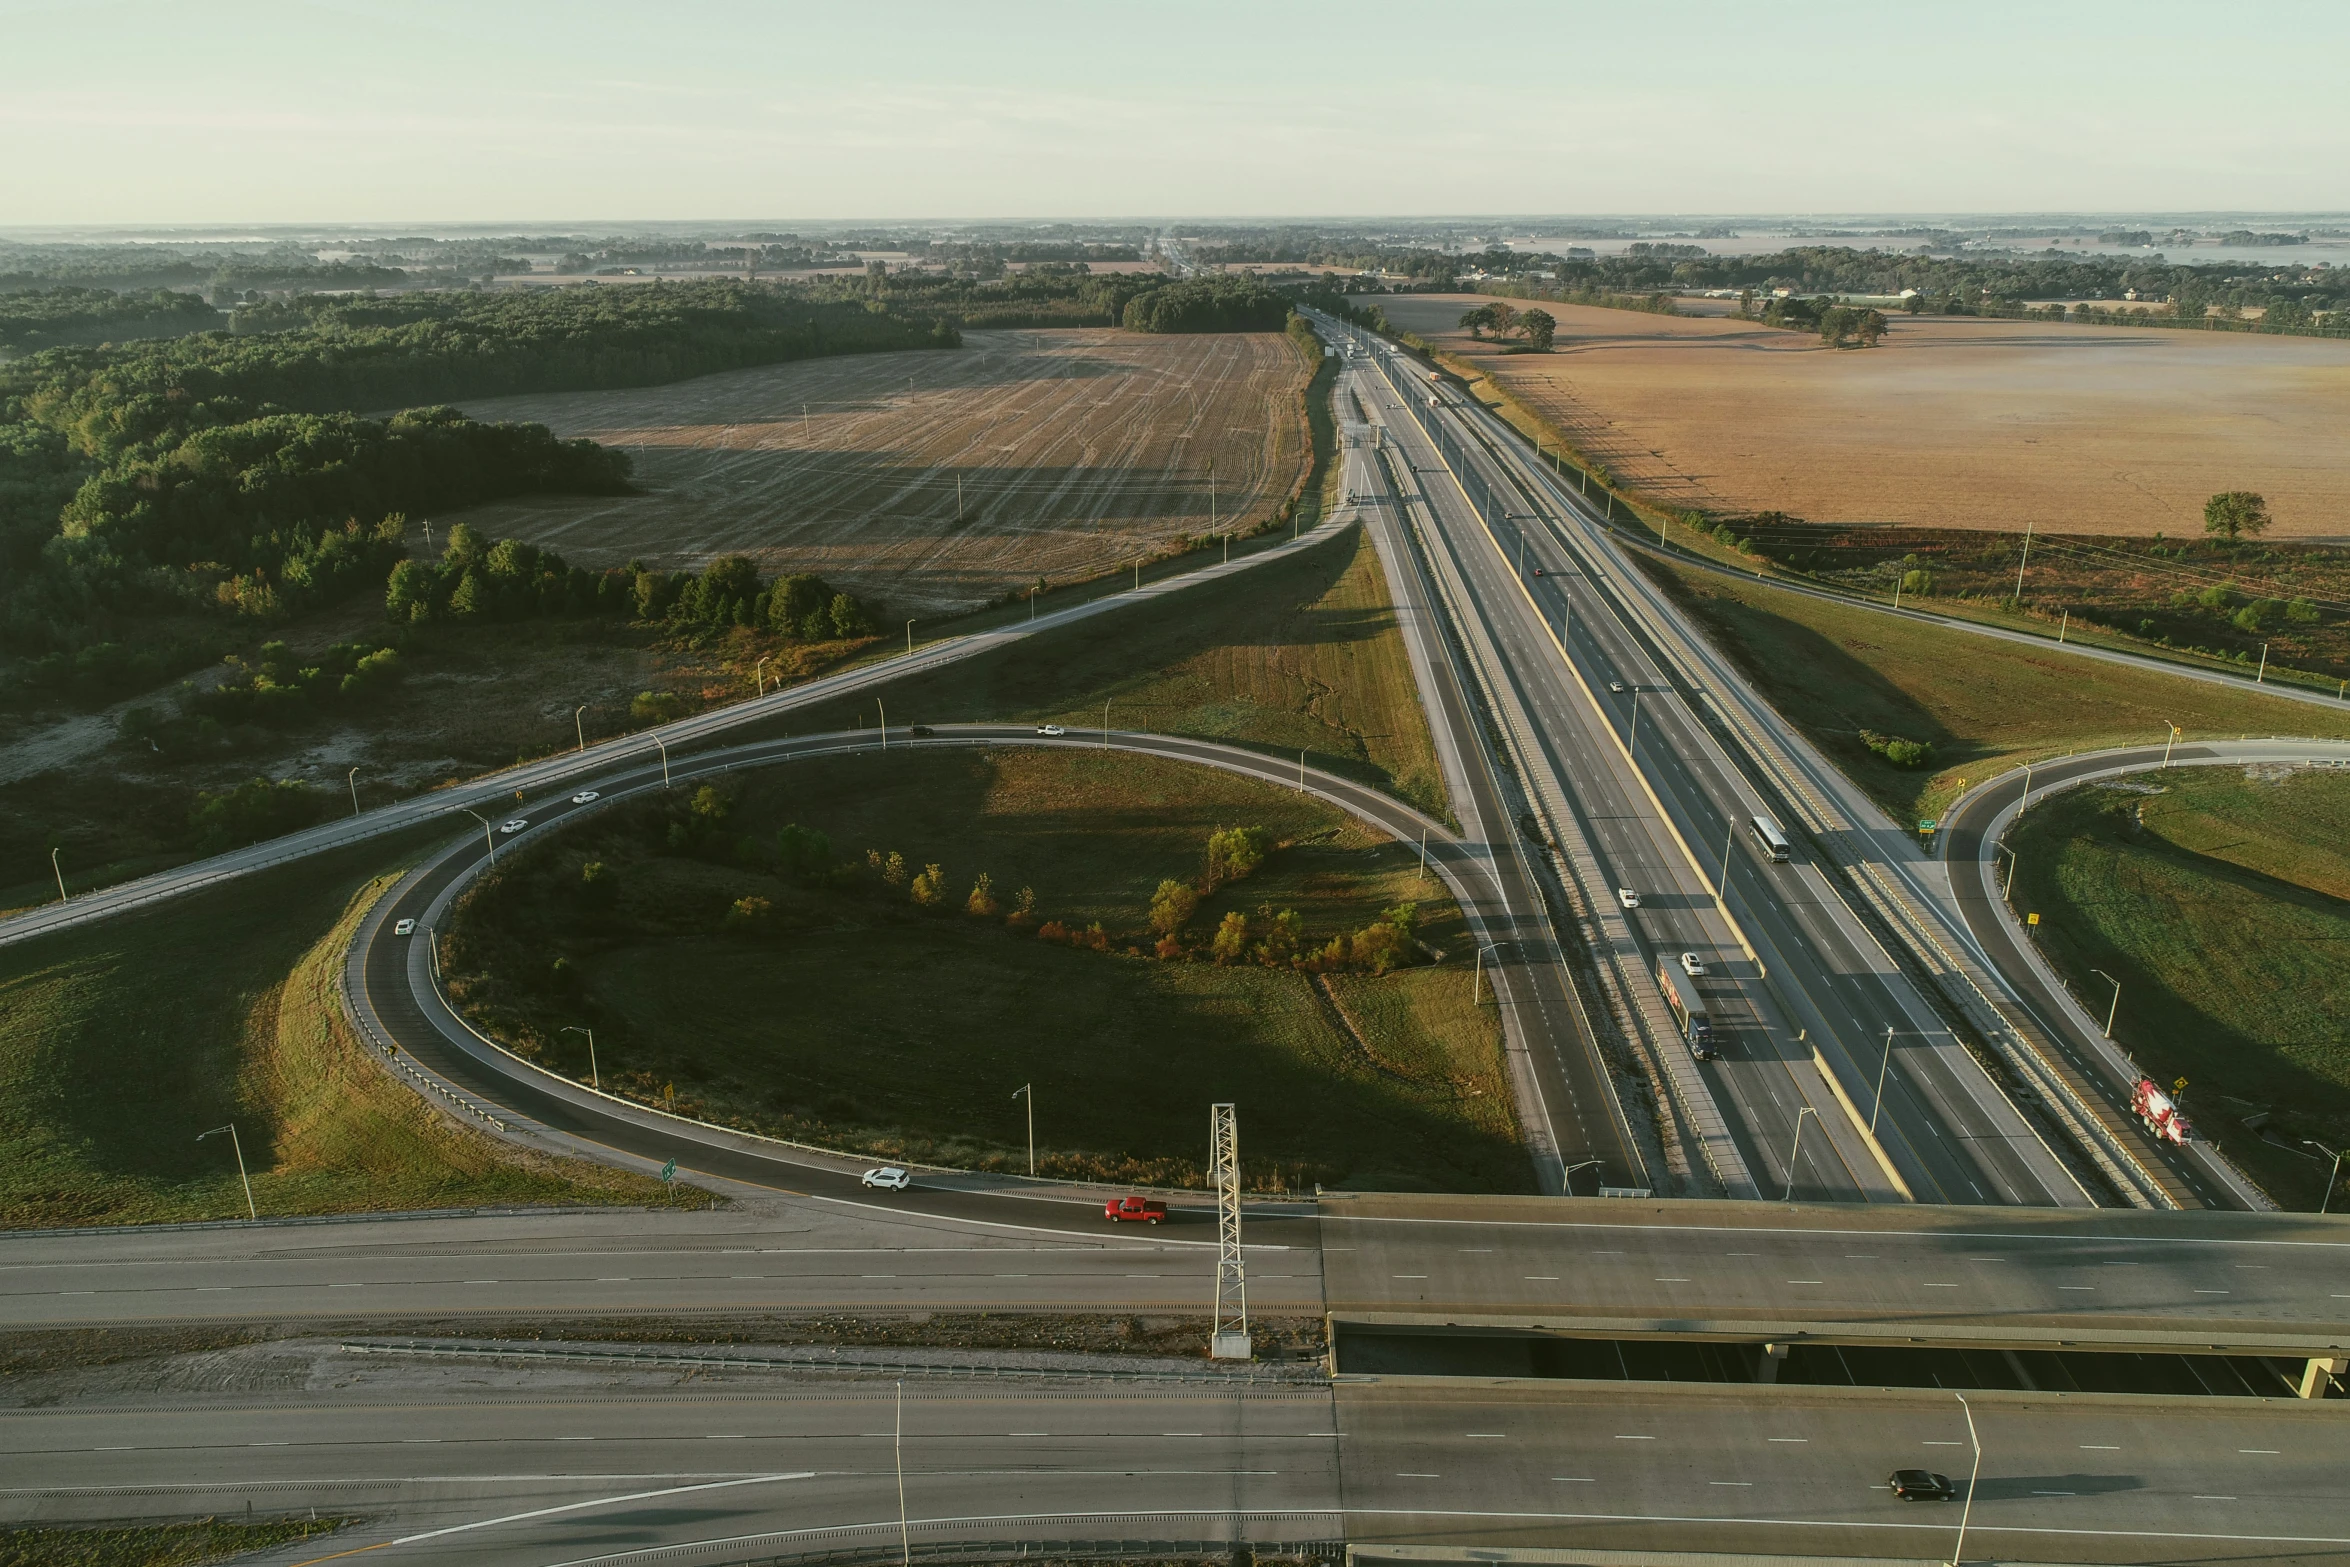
1238,1553
1307,1374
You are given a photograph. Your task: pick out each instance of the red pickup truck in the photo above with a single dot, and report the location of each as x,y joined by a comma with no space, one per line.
1133,1210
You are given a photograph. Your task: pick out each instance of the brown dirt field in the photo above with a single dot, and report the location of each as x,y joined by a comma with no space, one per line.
1952,422
1077,449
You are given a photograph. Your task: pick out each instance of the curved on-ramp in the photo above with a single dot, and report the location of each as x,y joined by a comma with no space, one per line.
392,994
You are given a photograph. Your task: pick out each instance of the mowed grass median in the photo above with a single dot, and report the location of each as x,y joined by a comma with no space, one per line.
2222,905
121,1042
876,952
1847,675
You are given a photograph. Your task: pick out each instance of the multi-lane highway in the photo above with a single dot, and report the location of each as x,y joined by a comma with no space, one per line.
1788,967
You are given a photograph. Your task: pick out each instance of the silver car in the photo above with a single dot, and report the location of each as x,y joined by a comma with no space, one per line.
888,1178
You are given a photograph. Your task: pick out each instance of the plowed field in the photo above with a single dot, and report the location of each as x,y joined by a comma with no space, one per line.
1075,450
1952,422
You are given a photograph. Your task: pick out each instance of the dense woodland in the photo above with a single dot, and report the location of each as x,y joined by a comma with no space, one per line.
57,317
153,485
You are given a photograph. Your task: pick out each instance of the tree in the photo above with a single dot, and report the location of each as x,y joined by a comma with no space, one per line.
1540,326
982,900
1478,320
1172,906
2234,513
1233,852
930,888
1505,317
1231,943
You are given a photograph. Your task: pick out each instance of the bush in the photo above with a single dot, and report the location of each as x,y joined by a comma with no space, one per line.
1171,907
1233,853
930,888
1231,940
253,811
1900,752
656,707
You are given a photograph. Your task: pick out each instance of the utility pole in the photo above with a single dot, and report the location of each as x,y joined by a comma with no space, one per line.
664,745
2019,565
1229,1338
577,728
60,874
353,781
1027,1091
251,1212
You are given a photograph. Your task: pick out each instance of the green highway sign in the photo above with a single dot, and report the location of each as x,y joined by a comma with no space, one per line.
669,1171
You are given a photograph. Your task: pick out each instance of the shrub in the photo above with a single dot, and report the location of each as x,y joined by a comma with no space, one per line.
252,811
750,913
2255,616
1917,582
1284,938
2301,612
1024,910
598,887
930,888
802,851
982,900
656,707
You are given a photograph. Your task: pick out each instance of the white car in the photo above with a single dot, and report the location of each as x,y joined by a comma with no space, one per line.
1627,897
1050,729
583,797
888,1178
1692,965
515,825
404,928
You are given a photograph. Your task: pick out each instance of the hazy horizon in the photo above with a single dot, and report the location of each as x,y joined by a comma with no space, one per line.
271,112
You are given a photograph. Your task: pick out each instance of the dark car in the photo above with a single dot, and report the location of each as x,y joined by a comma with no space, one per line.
1922,1485
921,731
1538,571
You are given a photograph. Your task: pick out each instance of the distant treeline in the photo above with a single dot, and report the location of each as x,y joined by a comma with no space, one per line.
56,317
230,474
1139,302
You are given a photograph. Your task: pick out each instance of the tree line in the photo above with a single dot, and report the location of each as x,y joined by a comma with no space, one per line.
53,317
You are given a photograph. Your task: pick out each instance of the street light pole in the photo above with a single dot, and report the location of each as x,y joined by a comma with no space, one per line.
2332,1175
2167,744
251,1212
487,836
60,873
1795,1148
353,781
1477,989
664,745
909,639
759,674
881,707
1883,1067
1028,1092
898,1447
595,1078
1423,881
2117,999
1967,1511
577,728
1106,722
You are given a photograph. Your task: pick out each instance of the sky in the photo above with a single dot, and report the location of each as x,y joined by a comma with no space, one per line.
140,112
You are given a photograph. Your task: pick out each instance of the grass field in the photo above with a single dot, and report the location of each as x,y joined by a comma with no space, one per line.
2225,914
1952,422
1075,449
844,1014
121,1042
154,1545
1984,705
1298,655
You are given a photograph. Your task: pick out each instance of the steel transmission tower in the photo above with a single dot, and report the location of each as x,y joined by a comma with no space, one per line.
1230,1339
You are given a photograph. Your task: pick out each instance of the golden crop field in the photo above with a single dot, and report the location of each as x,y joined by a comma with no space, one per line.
1950,422
935,481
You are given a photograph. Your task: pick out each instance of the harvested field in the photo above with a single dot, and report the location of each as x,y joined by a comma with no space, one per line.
1951,422
1074,449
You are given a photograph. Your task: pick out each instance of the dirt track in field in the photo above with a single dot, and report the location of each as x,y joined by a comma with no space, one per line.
1076,450
1951,422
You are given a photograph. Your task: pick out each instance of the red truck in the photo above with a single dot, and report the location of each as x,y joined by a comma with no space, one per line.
2160,1113
1134,1210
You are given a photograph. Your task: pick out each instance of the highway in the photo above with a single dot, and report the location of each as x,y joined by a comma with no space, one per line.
1822,980
462,1462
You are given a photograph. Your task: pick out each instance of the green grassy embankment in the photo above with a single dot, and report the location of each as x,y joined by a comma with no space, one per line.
1842,673
154,1545
1298,655
122,1041
845,1014
2222,905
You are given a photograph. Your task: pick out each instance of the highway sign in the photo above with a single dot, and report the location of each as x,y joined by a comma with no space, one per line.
669,1170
